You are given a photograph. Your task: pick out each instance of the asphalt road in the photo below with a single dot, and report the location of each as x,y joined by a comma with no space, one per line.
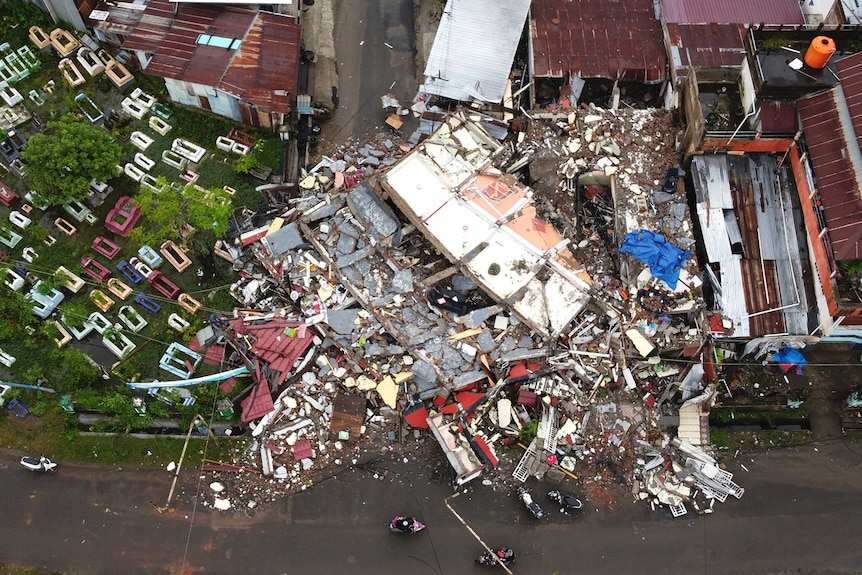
374,44
800,513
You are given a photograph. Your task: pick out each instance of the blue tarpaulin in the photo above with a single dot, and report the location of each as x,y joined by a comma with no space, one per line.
788,357
664,260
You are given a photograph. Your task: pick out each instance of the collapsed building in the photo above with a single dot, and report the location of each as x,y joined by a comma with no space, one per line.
430,291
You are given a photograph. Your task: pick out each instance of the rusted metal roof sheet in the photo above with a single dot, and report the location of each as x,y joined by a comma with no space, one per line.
779,117
705,46
265,70
732,12
837,181
598,39
850,72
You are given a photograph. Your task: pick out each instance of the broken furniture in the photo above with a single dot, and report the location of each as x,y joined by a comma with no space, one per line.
175,255
131,318
88,108
68,280
174,362
105,247
90,62
129,272
101,300
44,304
95,270
65,227
123,217
71,72
188,303
118,288
7,196
63,42
118,74
163,285
149,256
39,38
147,303
189,150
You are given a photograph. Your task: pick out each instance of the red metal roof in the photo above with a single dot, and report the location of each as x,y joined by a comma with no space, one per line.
732,12
778,116
837,182
258,403
850,72
598,39
262,71
705,46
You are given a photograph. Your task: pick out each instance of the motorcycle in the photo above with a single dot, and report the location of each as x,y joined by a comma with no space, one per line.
567,502
524,495
43,464
497,557
405,525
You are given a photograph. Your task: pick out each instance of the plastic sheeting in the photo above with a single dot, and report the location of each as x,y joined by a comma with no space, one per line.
665,260
788,357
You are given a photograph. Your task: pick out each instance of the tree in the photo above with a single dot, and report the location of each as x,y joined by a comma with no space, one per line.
67,156
168,214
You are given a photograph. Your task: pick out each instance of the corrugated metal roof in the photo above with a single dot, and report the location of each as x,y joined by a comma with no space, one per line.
837,182
732,12
778,116
850,72
262,71
474,48
598,39
705,46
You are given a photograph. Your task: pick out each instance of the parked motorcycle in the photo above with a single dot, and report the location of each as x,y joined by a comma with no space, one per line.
498,557
566,502
524,495
405,525
43,464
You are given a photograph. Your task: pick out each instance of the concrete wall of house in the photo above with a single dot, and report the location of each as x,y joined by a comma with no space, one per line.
190,94
746,88
64,10
829,11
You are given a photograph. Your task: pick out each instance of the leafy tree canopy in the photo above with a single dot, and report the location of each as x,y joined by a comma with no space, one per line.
68,155
169,212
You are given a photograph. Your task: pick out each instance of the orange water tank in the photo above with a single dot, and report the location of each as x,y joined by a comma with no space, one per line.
819,52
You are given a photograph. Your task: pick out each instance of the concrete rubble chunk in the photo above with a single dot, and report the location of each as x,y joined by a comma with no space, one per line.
368,208
402,281
342,321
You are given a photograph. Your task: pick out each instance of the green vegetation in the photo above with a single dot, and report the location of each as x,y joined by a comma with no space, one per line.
69,154
758,440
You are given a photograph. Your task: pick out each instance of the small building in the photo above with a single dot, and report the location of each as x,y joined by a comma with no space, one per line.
234,61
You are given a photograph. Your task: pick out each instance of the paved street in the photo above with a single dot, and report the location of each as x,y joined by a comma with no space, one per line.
800,513
374,43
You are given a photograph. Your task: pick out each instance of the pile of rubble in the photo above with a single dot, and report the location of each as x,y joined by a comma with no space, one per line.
397,290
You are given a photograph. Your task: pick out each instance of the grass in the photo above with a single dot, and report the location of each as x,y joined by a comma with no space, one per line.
46,435
758,440
21,570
